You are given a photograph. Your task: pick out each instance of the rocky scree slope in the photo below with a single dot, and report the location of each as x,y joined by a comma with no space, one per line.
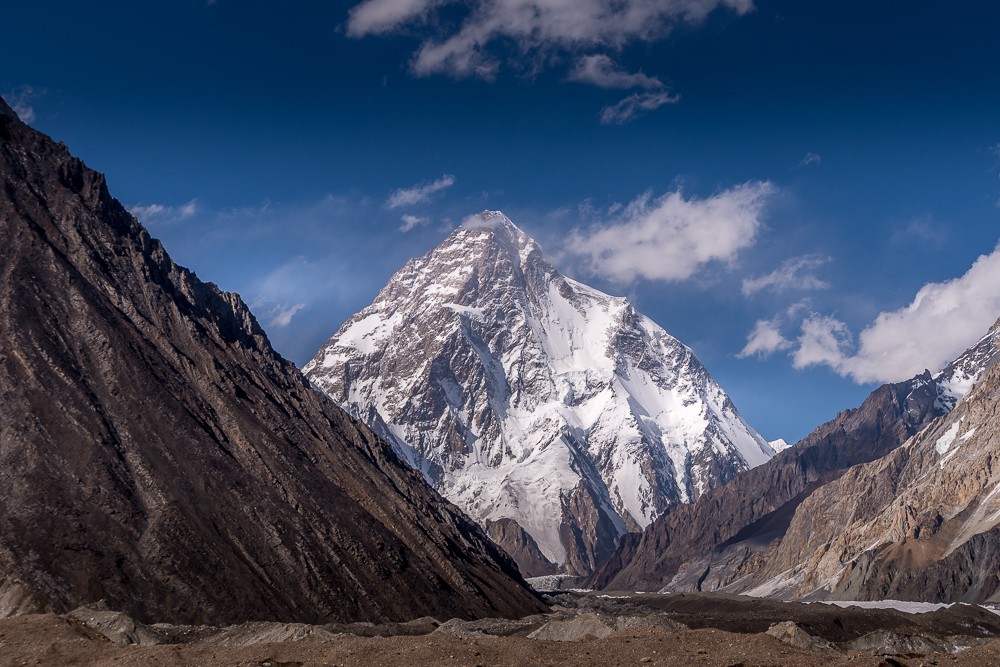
156,453
556,415
718,542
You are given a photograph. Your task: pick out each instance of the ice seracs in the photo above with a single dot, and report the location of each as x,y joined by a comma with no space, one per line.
556,415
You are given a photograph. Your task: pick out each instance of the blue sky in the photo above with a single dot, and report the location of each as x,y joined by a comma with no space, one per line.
798,190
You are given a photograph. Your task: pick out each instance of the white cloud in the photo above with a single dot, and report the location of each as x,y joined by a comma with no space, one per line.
419,193
635,105
943,320
601,71
811,159
824,340
797,273
765,340
160,214
530,25
281,316
375,17
411,221
670,238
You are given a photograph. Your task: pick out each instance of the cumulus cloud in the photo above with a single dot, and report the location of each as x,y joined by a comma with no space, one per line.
468,49
941,322
635,105
764,340
797,273
419,194
160,214
671,237
411,221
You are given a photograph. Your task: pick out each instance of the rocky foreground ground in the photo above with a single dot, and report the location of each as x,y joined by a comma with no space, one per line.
582,629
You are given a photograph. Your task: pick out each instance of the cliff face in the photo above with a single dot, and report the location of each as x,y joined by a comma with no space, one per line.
922,523
156,453
749,535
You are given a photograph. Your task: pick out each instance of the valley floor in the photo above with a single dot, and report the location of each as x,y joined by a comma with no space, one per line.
723,631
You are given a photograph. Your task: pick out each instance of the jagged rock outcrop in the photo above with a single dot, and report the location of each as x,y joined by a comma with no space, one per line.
157,454
546,409
722,541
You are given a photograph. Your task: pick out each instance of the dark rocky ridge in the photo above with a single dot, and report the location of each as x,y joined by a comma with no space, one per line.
156,453
754,509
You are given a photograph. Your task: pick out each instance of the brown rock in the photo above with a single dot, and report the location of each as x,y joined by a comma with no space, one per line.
156,452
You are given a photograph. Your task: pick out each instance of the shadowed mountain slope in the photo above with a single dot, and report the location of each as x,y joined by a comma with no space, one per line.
155,452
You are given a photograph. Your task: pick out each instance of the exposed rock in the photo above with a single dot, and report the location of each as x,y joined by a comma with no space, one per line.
922,523
250,634
584,626
155,451
906,644
116,626
597,625
521,546
793,634
723,540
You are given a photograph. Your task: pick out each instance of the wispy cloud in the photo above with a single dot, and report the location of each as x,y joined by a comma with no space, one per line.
942,321
281,315
22,100
922,230
797,273
671,237
601,71
419,194
631,107
811,159
412,221
532,26
160,214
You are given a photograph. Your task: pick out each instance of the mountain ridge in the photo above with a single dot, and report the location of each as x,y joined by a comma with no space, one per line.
529,397
726,536
156,453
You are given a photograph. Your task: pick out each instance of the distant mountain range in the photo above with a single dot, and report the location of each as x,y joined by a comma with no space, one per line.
557,416
157,454
895,499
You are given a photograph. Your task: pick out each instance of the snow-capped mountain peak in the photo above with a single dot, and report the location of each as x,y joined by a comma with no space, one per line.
555,414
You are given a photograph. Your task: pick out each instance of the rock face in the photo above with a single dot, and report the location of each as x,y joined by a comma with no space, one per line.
729,536
550,411
922,523
156,453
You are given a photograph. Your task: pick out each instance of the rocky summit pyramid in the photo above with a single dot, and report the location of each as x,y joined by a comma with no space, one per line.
557,416
157,454
782,529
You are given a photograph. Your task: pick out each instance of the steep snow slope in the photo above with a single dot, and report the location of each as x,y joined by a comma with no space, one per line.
554,414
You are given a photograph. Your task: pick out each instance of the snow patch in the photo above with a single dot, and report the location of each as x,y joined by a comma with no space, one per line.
944,442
